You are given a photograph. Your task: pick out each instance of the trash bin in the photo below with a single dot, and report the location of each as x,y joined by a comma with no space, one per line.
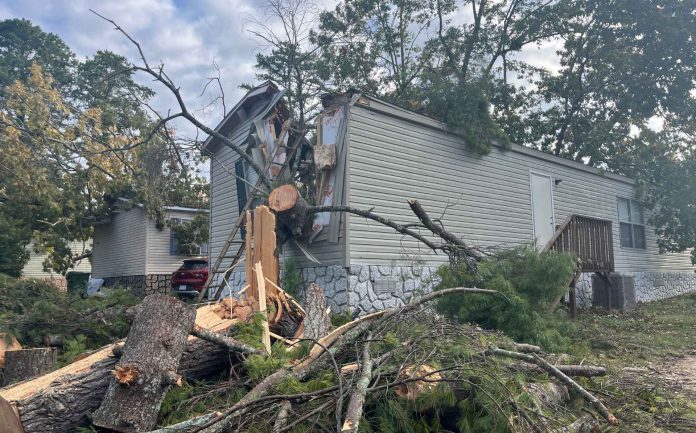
77,282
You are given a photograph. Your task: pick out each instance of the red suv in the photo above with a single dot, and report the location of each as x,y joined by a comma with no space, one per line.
190,278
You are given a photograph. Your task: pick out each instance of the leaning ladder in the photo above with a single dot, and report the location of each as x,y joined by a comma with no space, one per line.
215,270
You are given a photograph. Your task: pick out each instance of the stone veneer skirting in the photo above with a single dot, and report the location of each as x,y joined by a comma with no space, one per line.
650,286
142,285
369,287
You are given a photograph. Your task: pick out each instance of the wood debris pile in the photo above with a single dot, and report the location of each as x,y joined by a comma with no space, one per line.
337,382
392,369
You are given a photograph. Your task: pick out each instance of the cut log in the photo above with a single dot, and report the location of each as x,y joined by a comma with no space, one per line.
9,423
27,363
148,366
317,321
291,209
62,400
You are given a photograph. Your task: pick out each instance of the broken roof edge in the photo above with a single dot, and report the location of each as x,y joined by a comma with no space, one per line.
388,108
258,90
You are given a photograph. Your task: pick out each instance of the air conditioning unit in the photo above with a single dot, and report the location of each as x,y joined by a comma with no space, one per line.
623,292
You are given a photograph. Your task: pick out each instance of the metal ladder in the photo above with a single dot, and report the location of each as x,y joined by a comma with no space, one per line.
215,270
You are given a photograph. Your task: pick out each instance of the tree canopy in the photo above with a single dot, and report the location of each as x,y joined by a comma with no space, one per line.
621,96
71,145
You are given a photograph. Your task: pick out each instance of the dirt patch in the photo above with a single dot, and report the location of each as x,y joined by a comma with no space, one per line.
680,372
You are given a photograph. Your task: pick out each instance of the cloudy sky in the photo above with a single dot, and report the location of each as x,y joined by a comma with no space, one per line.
187,36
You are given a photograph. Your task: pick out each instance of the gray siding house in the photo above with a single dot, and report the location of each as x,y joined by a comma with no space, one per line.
34,269
388,155
129,250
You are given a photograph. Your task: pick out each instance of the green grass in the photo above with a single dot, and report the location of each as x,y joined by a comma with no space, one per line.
631,344
651,332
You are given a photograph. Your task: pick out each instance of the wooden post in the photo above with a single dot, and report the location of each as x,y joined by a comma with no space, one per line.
148,366
27,363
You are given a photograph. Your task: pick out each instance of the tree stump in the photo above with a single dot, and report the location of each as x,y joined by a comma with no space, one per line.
26,363
291,209
317,321
148,365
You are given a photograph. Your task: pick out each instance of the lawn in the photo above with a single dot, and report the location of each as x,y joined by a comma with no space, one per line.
645,350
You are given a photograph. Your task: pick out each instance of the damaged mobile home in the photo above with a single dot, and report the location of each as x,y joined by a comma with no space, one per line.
372,155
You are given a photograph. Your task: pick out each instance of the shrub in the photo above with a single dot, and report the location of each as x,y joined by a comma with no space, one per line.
529,279
291,280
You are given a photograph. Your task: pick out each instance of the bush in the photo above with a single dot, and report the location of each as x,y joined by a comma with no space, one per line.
31,309
530,280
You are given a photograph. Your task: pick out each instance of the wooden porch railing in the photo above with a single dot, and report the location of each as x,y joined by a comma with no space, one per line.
588,239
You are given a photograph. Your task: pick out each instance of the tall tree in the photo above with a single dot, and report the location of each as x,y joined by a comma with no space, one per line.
413,53
22,43
289,57
624,64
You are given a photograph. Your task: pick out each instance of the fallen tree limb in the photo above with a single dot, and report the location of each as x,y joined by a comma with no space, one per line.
571,370
315,361
282,417
225,341
357,398
440,231
554,371
400,228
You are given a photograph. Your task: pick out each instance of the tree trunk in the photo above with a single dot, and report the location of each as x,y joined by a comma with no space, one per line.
62,400
148,366
317,321
27,363
290,208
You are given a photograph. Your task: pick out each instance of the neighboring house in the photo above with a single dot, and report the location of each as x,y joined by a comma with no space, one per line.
129,249
387,155
34,267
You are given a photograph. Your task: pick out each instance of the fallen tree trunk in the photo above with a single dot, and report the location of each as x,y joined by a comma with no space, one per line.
315,361
63,399
148,366
27,363
290,208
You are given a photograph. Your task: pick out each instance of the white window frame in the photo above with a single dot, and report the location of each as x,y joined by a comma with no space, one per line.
631,223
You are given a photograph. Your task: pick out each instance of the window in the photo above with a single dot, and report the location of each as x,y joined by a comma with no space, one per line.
239,171
173,241
176,248
631,226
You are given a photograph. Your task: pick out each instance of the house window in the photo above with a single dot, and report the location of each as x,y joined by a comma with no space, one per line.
631,226
239,171
175,247
173,241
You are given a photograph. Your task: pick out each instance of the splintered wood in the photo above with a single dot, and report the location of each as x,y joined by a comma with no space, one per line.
261,248
285,316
